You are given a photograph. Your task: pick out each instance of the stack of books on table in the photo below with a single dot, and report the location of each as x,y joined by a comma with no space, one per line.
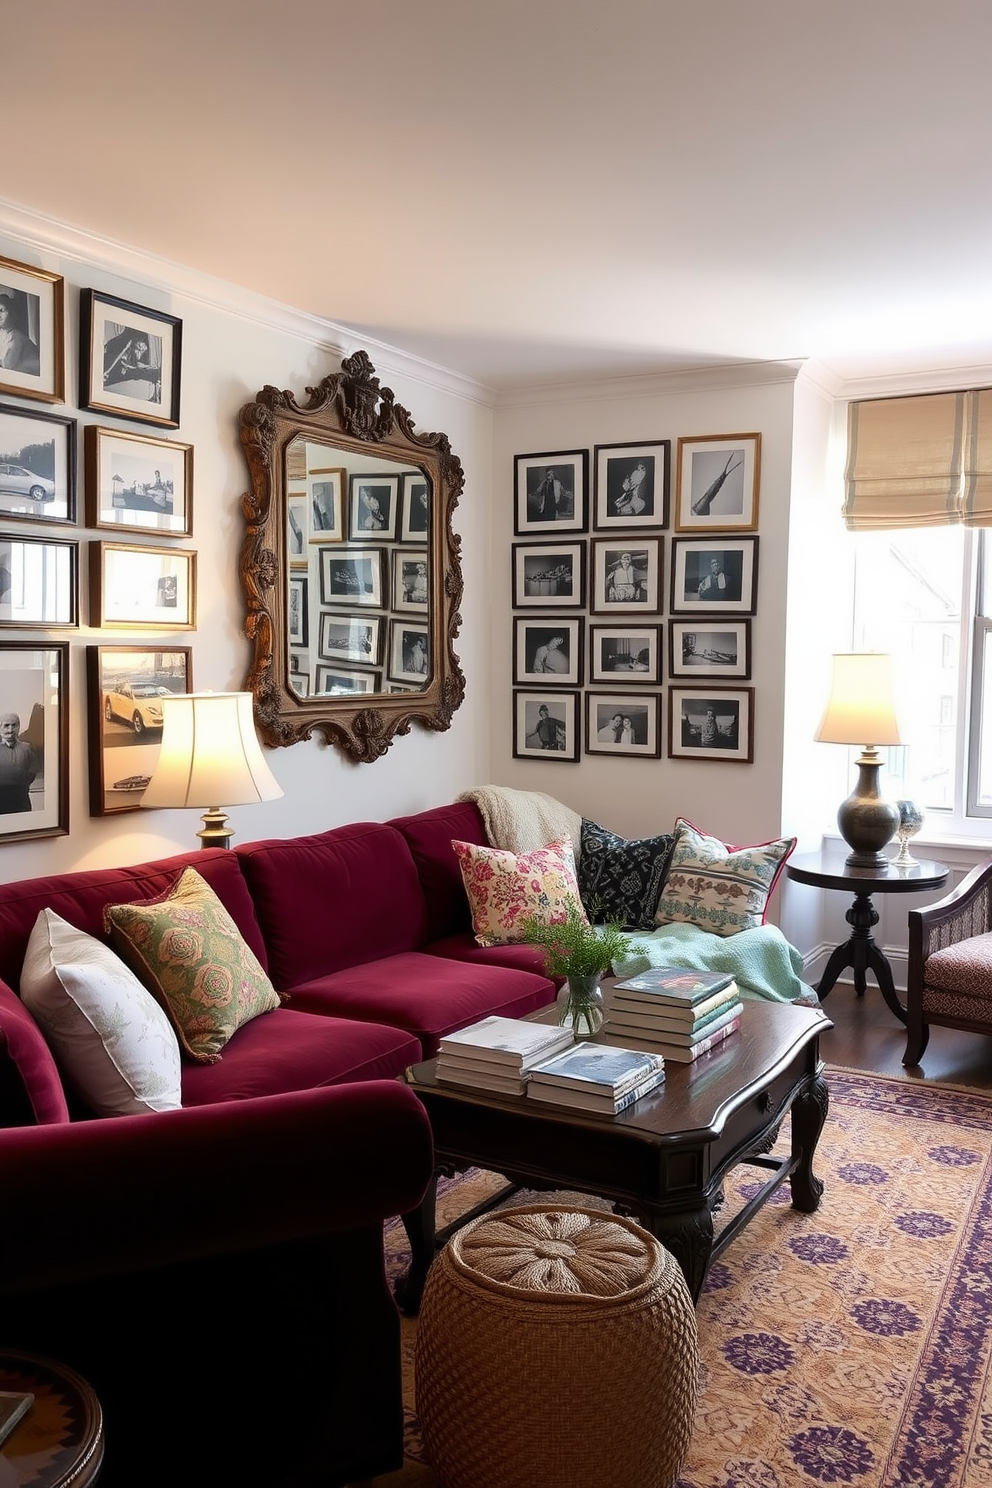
680,1014
596,1077
497,1053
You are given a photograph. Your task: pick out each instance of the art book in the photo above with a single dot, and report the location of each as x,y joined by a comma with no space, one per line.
676,984
644,1006
687,1053
618,1026
585,1100
597,1068
510,1042
476,1077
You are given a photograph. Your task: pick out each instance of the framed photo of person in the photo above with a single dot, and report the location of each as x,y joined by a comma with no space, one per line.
709,647
409,652
717,483
353,577
716,573
714,723
34,722
632,484
38,465
298,610
547,651
32,332
549,575
625,653
550,492
411,580
416,511
623,723
39,581
125,686
334,681
373,507
130,360
350,638
139,483
546,726
325,498
626,575
136,587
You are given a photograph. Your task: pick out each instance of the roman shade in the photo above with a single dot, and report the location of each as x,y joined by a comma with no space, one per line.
920,461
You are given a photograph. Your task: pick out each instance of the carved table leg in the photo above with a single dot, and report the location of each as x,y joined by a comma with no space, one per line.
689,1237
809,1111
420,1227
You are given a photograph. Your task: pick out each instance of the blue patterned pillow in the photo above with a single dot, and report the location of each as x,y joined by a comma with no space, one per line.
621,879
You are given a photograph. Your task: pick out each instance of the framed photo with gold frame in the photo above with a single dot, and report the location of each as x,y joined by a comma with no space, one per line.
717,483
32,330
34,788
138,483
125,688
135,588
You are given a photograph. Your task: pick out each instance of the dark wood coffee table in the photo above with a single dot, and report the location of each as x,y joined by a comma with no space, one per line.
664,1159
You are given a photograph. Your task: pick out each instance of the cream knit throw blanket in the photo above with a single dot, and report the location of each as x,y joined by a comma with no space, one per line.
520,820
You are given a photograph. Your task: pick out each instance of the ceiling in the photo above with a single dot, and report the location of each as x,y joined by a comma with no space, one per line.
530,191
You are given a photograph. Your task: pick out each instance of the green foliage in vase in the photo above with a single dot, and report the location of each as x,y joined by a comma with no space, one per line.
573,947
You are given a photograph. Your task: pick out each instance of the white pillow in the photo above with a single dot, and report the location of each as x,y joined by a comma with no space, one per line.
115,1044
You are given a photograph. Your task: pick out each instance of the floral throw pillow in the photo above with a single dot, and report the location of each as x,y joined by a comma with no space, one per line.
186,949
620,878
719,888
506,888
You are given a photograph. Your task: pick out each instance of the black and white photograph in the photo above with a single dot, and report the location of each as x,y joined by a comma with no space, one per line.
137,482
411,580
551,492
350,638
132,586
626,576
709,648
299,673
631,652
546,726
32,332
631,484
37,465
353,577
409,652
711,723
717,483
333,681
325,498
373,502
623,723
548,651
717,573
39,581
549,575
34,729
416,511
126,686
298,607
297,521
130,360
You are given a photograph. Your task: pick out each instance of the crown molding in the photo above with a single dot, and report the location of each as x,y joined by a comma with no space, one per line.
920,380
719,377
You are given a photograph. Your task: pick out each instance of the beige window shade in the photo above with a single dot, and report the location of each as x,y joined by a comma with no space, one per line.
920,462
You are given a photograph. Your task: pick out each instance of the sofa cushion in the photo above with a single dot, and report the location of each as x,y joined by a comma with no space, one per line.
110,1037
505,889
31,1064
188,951
620,878
718,887
427,995
518,956
429,835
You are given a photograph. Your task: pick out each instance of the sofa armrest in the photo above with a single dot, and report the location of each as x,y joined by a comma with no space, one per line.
964,912
94,1198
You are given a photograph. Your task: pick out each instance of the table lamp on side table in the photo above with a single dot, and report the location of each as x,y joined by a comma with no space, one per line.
861,707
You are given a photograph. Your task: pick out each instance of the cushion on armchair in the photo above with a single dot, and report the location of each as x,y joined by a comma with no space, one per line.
505,888
719,887
620,879
965,967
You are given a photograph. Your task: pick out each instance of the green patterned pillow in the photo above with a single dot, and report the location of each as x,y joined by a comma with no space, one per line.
191,955
719,888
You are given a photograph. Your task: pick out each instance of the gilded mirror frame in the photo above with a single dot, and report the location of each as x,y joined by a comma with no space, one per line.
349,414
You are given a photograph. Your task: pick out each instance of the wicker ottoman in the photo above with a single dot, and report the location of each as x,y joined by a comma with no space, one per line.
555,1346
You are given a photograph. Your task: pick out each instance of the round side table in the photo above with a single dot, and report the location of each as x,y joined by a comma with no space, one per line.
60,1440
829,870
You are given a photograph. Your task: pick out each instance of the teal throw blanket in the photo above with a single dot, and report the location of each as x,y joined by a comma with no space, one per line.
762,960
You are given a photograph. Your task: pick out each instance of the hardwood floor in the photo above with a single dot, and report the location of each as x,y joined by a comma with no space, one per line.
866,1036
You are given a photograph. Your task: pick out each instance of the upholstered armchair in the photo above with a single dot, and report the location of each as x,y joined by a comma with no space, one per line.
949,977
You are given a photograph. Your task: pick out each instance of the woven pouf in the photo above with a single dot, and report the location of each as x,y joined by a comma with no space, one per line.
555,1347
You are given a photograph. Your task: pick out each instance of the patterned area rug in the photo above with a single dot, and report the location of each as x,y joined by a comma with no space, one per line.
850,1346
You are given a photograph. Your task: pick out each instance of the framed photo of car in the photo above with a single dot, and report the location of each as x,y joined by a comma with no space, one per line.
125,689
550,493
130,360
34,770
32,325
546,726
717,483
632,482
709,646
715,573
38,465
39,581
137,483
627,724
135,588
711,723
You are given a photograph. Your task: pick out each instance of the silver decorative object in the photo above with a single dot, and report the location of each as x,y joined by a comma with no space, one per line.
910,822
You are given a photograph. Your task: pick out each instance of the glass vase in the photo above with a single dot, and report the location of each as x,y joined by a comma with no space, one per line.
580,1005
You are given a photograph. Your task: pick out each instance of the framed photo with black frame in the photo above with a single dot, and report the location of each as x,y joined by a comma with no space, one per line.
714,573
39,581
353,577
717,483
38,465
550,492
298,610
416,515
125,686
409,652
130,360
549,575
373,507
709,646
626,653
332,681
631,484
411,580
627,724
711,723
548,651
326,500
136,482
350,638
32,316
134,588
34,771
626,575
546,726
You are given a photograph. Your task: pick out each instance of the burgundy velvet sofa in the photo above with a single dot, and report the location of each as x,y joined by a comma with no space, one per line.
216,1272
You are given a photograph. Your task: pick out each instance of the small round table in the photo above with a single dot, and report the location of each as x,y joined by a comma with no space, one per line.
829,870
60,1440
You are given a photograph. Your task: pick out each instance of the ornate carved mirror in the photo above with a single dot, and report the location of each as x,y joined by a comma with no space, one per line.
349,565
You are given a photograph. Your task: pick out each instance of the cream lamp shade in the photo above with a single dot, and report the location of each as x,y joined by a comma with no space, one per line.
861,709
210,756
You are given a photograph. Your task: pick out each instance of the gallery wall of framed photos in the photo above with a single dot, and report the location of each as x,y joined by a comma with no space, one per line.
633,602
